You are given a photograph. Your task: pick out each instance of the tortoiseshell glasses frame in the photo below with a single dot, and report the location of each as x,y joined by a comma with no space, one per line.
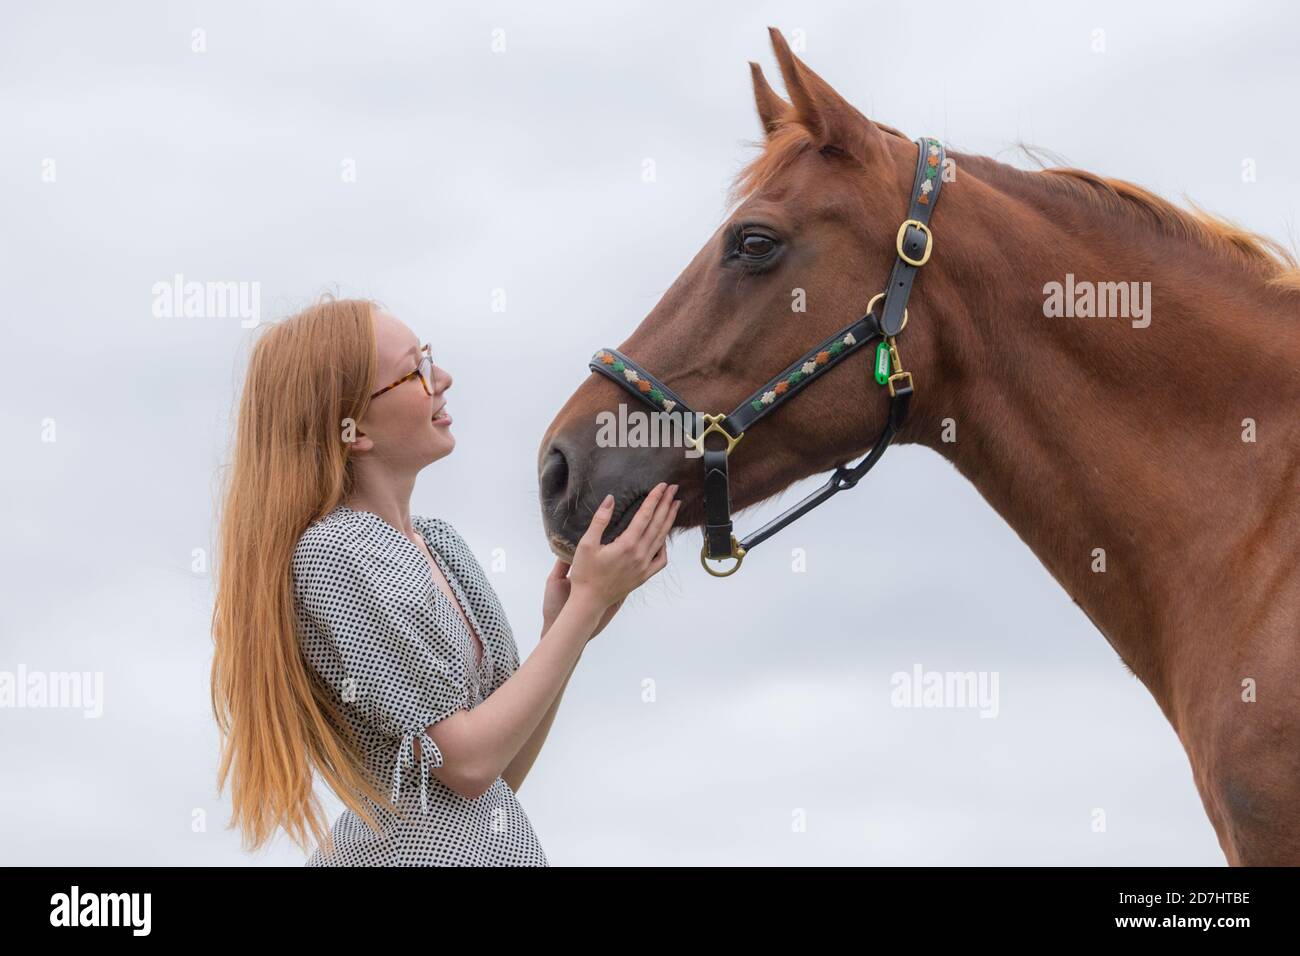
424,369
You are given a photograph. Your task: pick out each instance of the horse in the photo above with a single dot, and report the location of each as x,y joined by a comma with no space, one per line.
1150,461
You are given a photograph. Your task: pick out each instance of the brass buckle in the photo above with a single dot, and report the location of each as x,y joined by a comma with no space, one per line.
899,374
872,305
737,552
698,441
929,242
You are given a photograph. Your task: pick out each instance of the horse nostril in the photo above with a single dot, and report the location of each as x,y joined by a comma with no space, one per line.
554,478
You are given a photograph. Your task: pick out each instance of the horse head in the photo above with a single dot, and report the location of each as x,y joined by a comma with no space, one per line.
808,243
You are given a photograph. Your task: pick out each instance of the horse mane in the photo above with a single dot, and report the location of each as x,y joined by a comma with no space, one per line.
1196,224
1254,251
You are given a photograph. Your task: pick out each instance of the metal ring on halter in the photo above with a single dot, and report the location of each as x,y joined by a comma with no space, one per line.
872,305
736,552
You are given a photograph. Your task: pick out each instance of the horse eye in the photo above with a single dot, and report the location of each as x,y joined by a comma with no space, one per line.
757,245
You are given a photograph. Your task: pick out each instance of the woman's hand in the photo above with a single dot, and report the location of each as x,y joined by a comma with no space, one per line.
558,586
555,595
609,572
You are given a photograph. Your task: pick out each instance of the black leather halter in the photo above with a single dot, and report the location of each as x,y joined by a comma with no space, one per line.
913,244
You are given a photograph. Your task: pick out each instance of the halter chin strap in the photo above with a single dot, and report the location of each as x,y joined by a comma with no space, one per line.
913,244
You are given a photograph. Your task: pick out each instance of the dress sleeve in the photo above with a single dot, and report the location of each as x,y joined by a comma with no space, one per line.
363,640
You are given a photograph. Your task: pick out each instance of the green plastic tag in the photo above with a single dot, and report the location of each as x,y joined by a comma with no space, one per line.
882,363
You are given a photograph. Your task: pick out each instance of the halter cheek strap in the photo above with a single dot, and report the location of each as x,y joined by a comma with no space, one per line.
913,245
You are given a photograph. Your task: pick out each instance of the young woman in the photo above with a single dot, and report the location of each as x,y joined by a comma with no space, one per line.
365,643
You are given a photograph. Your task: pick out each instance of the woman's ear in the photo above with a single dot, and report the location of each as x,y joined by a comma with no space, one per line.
362,442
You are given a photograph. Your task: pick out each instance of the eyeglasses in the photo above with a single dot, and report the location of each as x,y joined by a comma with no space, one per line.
424,370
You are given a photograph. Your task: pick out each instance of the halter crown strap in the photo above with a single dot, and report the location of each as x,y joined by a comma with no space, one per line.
913,245
914,242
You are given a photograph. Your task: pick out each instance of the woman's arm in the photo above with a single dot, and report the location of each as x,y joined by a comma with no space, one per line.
515,773
479,745
557,592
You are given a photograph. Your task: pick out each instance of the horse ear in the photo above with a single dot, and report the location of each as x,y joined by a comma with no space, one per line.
829,118
771,108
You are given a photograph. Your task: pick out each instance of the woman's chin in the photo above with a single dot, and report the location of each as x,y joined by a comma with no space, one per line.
444,445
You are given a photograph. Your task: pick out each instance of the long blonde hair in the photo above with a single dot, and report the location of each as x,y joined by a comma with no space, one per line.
307,376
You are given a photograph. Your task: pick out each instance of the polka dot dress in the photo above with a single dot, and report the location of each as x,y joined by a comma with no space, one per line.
387,641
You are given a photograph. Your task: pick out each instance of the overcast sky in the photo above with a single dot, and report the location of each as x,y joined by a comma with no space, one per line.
500,146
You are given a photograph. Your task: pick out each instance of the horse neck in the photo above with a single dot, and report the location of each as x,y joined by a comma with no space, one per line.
1090,433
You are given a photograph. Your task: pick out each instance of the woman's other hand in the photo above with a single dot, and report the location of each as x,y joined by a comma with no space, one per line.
558,586
556,594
